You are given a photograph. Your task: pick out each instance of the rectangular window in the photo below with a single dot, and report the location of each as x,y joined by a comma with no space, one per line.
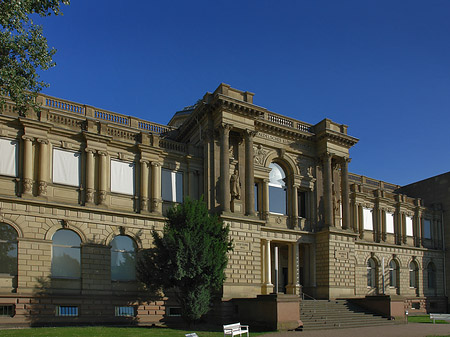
174,311
171,186
9,158
426,229
367,219
122,177
302,204
125,311
409,226
6,310
389,223
255,191
67,311
66,167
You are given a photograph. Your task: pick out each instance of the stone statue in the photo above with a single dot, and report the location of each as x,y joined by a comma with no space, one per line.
235,185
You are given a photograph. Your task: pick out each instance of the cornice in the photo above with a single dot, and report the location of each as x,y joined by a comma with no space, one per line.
337,138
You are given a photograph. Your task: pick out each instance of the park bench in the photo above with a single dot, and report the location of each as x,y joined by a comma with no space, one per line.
440,317
235,329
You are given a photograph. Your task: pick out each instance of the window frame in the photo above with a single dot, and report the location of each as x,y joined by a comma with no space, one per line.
371,267
66,181
15,162
120,185
275,185
119,253
65,247
14,242
176,186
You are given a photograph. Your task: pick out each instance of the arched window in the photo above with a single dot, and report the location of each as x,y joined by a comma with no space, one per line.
123,259
8,250
393,274
371,272
277,189
431,271
413,270
66,254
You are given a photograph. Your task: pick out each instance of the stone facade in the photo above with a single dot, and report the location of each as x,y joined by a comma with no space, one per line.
87,186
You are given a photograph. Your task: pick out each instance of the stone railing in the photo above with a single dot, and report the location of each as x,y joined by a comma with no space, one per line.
372,183
288,122
71,108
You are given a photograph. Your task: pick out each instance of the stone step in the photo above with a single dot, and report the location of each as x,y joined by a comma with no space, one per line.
323,314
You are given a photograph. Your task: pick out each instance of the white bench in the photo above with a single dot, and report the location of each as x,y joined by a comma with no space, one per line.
192,334
440,317
235,329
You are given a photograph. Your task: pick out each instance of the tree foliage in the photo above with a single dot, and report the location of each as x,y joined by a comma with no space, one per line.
188,259
24,49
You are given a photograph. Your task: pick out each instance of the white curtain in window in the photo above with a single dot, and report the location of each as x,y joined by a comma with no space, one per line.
171,185
66,167
368,219
122,177
9,157
389,223
426,229
409,226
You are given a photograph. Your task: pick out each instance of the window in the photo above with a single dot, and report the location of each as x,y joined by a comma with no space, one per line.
66,167
393,272
426,229
174,311
413,274
367,219
277,189
66,254
123,259
255,191
371,268
171,186
390,223
7,310
431,271
10,157
68,311
302,204
409,226
125,311
122,177
8,250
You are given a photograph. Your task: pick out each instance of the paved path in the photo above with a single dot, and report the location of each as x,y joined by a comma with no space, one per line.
400,330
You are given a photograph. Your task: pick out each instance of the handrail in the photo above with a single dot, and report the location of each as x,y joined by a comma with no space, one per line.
309,296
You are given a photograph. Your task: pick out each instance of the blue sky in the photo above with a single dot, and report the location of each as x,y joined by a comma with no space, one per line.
381,67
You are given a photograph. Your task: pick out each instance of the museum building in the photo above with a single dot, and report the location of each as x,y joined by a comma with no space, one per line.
82,188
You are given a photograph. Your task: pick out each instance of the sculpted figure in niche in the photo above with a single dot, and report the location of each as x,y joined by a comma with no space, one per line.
235,182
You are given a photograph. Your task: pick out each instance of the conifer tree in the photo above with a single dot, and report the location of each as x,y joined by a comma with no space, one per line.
188,259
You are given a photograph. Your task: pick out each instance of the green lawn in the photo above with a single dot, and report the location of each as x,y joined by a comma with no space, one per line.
424,319
108,332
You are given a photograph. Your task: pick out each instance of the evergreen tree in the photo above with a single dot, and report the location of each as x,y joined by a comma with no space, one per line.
188,259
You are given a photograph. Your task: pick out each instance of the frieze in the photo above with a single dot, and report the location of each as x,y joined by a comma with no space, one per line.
273,138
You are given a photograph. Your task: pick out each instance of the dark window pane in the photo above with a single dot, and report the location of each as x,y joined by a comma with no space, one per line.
179,186
166,185
277,200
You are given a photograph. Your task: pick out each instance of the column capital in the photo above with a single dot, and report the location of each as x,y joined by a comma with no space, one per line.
144,161
225,128
90,150
249,134
102,153
42,141
26,137
155,163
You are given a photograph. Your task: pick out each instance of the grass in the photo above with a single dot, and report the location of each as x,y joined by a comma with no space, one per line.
424,319
108,331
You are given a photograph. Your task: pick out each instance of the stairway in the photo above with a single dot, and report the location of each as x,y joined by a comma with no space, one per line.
335,314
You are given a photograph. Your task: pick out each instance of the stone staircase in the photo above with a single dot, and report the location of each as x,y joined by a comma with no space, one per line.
335,314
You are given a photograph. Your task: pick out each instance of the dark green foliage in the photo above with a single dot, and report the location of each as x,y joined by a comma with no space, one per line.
23,49
188,259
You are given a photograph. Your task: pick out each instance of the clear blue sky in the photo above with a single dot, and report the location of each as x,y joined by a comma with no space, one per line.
381,67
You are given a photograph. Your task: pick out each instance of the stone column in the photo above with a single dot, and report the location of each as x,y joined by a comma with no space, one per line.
27,164
207,145
43,166
225,166
418,229
144,185
327,190
102,177
90,176
265,198
156,188
267,287
294,285
295,206
249,173
345,194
